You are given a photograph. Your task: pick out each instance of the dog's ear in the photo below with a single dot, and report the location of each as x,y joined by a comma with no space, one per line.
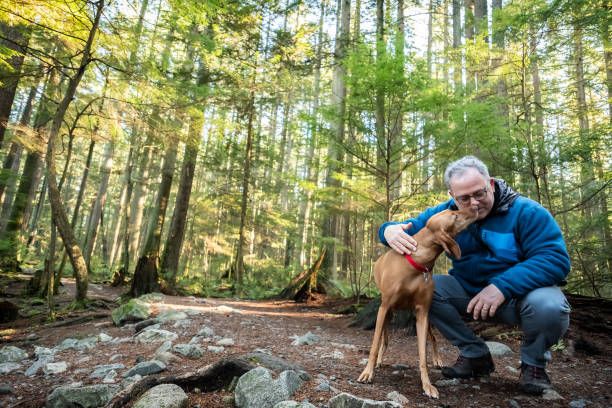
448,243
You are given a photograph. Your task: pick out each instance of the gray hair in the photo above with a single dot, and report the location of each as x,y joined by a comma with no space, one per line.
458,167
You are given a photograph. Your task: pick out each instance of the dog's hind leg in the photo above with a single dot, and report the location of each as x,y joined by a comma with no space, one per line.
384,340
437,361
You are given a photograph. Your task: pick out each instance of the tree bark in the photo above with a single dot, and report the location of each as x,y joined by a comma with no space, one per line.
57,207
146,272
17,41
176,234
239,268
106,167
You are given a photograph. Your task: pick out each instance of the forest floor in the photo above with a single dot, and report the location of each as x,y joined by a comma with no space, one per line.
581,373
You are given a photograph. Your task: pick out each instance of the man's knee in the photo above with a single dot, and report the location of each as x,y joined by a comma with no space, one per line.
546,307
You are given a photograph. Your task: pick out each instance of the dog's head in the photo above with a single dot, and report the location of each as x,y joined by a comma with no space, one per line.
447,224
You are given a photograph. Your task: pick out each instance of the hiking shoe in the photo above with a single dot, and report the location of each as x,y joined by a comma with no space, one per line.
534,380
466,367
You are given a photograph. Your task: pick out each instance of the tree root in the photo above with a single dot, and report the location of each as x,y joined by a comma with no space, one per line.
213,377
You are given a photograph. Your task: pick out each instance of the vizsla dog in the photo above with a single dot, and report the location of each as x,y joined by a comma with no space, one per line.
404,282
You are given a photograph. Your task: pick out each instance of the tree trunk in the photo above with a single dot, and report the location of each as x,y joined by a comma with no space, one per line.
174,241
338,101
140,184
79,200
16,41
239,269
306,205
106,167
146,275
57,207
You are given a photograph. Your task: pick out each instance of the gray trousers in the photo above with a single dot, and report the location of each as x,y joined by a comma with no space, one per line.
543,314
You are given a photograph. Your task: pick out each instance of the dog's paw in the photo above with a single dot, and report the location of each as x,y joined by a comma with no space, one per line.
366,377
431,391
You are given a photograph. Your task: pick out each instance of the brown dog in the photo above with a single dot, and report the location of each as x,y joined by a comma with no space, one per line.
405,282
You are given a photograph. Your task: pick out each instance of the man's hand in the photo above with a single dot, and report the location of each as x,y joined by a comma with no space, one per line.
486,302
399,240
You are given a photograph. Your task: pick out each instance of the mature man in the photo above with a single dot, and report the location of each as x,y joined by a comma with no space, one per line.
512,258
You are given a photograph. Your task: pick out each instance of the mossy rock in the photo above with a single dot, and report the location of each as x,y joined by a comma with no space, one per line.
151,297
133,311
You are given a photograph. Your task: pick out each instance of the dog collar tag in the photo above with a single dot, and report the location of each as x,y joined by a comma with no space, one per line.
426,276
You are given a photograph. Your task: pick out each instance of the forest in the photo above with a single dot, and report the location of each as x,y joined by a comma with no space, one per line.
220,148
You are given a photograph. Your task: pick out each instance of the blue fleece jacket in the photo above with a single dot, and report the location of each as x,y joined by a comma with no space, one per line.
517,248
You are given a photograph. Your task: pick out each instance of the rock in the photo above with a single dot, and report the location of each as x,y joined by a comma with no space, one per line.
306,339
133,311
551,395
85,397
131,380
6,368
578,404
345,400
147,323
271,362
156,336
163,396
206,332
43,351
514,404
192,312
9,354
225,342
151,297
102,371
165,357
38,364
397,397
215,349
6,389
103,337
55,368
257,388
188,350
166,346
498,349
326,386
294,404
110,377
83,344
146,368
171,315
448,383
115,357
336,355
182,323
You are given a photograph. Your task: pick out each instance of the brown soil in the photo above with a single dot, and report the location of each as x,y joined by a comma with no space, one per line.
583,374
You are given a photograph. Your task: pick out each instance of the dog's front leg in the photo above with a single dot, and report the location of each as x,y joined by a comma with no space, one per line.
437,361
368,372
422,324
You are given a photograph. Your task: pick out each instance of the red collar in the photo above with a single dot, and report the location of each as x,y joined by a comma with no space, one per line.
418,267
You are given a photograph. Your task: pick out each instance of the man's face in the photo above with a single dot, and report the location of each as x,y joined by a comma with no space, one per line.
472,189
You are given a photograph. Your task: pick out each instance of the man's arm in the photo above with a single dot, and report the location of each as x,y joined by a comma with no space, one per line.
395,235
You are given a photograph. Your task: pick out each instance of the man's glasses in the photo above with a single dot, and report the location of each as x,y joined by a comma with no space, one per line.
477,195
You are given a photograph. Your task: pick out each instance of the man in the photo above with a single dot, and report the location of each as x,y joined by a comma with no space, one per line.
512,258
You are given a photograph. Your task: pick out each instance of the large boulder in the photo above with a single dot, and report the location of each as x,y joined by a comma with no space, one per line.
133,311
85,397
9,354
163,396
257,388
